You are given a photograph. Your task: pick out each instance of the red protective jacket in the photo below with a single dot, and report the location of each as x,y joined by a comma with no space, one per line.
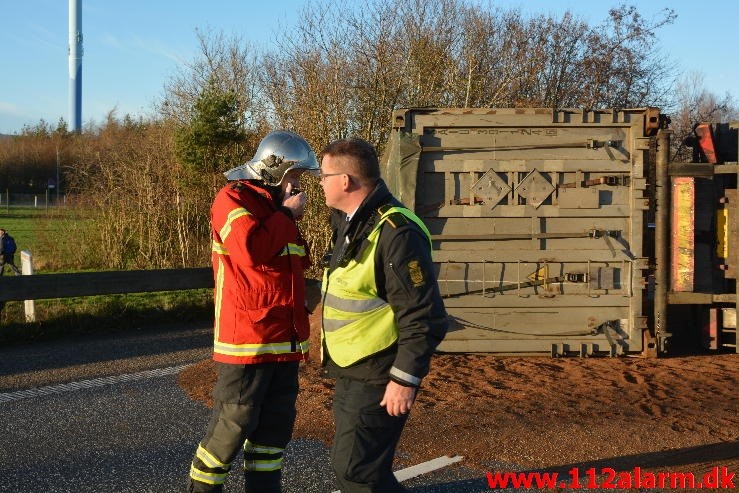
258,263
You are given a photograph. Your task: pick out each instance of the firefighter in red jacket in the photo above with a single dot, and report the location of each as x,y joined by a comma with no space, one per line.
261,326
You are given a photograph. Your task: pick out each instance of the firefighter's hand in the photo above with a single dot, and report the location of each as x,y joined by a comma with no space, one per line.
296,203
398,399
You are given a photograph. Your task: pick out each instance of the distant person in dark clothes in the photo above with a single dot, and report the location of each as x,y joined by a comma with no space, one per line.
7,253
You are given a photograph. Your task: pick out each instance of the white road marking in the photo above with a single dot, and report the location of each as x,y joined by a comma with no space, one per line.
87,384
426,467
423,468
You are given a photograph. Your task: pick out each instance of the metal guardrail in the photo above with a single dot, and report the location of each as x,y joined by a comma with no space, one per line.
30,287
44,286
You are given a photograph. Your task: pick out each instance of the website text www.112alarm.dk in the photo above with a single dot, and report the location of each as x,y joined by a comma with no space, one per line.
609,478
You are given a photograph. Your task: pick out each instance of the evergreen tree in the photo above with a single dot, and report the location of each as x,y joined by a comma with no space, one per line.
211,141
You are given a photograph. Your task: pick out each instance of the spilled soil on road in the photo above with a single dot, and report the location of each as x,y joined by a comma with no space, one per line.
675,414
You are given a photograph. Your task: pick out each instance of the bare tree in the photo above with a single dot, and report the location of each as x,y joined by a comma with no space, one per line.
225,64
693,105
306,81
343,72
624,66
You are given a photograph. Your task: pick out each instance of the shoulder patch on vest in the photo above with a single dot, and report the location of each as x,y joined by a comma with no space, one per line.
396,220
384,208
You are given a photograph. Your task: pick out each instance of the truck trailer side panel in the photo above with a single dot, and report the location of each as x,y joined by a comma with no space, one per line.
541,220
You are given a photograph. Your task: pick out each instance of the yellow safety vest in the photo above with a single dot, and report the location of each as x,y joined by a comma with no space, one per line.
356,322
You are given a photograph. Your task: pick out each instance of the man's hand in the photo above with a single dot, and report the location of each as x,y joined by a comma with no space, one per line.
296,203
398,399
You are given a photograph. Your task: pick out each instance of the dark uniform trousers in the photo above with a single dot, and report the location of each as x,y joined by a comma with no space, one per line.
253,408
366,437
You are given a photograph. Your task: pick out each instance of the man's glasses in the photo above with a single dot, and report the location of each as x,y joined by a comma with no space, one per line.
322,175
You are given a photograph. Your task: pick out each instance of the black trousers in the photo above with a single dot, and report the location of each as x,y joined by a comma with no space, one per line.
8,259
253,408
366,437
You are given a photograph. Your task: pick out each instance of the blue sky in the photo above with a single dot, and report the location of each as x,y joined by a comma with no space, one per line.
132,47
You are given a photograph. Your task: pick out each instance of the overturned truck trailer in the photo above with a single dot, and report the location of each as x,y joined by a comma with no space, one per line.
550,227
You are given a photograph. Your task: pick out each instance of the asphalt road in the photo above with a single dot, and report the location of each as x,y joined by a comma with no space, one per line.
106,415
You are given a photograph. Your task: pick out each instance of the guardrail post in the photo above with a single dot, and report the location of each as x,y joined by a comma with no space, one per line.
27,270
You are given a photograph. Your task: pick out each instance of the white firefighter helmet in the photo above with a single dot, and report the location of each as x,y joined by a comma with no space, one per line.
279,152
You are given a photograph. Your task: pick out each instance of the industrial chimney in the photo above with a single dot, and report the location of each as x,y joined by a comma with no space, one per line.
75,65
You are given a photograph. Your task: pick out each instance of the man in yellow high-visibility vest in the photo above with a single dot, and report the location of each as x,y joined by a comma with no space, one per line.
383,316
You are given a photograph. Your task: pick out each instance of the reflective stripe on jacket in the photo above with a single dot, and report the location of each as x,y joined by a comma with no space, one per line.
258,262
357,323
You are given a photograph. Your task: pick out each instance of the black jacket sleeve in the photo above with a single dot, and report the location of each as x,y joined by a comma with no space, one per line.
406,279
